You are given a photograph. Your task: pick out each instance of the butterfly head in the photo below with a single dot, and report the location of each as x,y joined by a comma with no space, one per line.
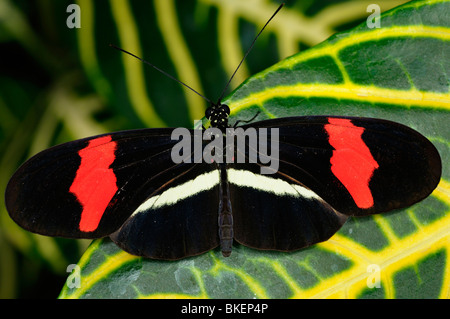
218,114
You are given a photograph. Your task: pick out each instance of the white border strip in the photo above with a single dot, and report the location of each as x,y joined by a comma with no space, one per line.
175,194
269,184
242,178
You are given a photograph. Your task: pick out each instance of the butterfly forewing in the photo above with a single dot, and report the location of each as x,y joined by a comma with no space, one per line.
359,166
88,188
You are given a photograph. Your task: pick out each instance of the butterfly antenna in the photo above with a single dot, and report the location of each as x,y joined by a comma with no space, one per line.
163,72
246,53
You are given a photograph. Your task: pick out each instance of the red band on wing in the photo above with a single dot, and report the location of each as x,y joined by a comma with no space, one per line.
351,162
95,183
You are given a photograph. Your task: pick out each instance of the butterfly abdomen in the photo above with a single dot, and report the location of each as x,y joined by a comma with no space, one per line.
225,219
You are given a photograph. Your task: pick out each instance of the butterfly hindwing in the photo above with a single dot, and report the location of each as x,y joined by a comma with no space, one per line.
178,221
274,214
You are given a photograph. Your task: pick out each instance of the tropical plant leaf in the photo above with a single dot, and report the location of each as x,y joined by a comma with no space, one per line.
398,71
46,100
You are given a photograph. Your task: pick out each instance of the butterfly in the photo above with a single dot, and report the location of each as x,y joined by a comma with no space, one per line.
127,185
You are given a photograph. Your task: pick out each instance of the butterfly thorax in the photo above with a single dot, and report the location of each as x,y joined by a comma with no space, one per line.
218,114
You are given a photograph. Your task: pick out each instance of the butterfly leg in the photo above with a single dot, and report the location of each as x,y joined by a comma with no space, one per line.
246,121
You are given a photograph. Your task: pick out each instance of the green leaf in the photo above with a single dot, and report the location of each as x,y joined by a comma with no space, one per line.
398,72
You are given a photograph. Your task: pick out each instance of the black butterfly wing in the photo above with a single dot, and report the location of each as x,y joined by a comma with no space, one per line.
274,214
178,221
87,188
360,166
66,190
335,167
